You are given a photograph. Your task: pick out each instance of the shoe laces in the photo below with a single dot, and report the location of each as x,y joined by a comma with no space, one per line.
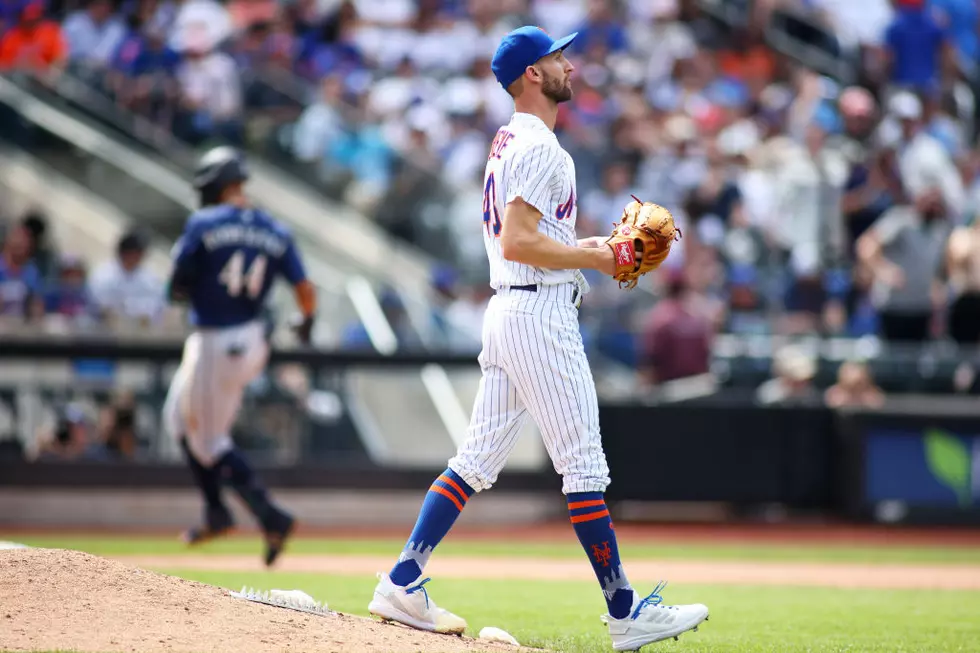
653,598
416,588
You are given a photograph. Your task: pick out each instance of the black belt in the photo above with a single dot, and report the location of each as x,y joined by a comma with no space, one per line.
533,287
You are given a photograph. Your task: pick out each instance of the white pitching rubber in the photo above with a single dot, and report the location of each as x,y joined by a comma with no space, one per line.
493,634
289,599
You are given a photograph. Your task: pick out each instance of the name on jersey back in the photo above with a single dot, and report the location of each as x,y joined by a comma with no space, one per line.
246,236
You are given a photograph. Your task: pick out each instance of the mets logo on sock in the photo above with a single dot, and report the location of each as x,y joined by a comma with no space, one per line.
602,554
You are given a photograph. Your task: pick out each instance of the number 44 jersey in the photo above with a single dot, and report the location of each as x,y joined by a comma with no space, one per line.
232,256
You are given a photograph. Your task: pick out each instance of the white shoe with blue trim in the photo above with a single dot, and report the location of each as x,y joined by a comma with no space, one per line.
411,606
649,621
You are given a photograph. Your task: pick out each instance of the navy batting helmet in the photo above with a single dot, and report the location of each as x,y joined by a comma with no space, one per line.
218,169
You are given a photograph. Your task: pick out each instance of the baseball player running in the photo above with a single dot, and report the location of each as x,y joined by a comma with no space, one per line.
533,360
224,265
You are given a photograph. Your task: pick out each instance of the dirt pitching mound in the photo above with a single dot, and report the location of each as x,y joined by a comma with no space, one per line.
51,599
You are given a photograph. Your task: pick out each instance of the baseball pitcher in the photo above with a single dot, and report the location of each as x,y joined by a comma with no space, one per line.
533,359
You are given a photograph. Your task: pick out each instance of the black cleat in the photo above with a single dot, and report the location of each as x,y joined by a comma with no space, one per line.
217,524
275,539
202,534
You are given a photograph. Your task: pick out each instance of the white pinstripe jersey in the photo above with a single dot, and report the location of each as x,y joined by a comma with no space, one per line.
527,161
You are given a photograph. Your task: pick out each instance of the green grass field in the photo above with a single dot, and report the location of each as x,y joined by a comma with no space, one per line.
564,615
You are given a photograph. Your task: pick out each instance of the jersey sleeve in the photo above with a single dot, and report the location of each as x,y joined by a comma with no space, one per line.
292,264
186,247
531,175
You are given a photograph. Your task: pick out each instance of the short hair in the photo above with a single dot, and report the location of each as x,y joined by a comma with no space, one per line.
131,241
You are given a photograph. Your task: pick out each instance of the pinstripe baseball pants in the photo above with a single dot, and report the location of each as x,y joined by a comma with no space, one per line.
534,363
206,391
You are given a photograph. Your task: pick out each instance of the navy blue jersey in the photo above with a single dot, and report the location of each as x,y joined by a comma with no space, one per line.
231,256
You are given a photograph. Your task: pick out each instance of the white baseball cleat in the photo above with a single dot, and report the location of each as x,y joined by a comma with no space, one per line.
649,621
411,605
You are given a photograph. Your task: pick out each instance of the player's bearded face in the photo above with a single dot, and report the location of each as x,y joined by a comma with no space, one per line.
557,83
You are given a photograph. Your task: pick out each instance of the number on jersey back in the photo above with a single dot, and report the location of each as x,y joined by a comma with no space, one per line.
234,256
235,278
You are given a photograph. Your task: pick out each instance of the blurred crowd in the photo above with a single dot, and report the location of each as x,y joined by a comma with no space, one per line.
808,206
84,431
48,289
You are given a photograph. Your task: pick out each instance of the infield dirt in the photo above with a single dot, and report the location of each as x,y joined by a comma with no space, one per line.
54,599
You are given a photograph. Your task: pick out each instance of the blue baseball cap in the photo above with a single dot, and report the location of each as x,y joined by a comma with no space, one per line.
520,49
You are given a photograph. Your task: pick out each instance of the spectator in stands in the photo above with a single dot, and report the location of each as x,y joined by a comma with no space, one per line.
792,383
811,231
854,388
745,57
959,18
41,251
20,280
73,438
390,97
874,182
923,161
320,125
862,312
859,115
117,426
859,26
34,44
245,14
417,167
602,29
364,153
281,45
599,208
143,72
196,25
94,34
69,297
905,250
672,170
917,50
746,304
210,91
963,271
332,48
124,289
464,154
677,334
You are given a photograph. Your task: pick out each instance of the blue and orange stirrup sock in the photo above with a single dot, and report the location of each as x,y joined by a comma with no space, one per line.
593,525
443,504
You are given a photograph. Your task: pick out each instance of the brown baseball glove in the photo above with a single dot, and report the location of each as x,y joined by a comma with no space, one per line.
641,240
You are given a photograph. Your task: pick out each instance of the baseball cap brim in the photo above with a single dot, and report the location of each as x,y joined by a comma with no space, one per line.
562,43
